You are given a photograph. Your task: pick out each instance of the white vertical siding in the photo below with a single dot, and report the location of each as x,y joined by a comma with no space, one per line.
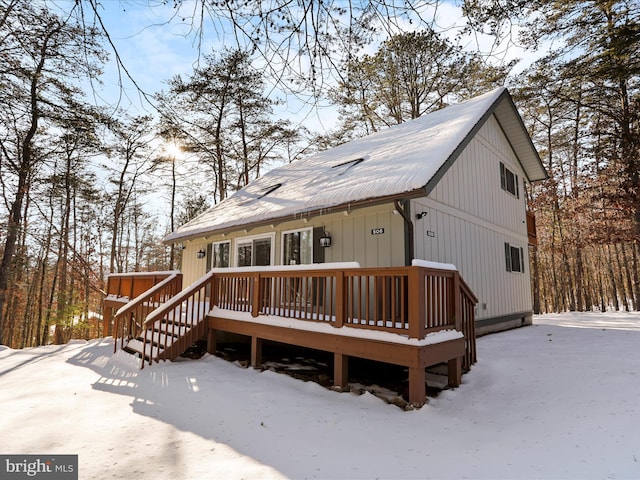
472,184
353,240
472,217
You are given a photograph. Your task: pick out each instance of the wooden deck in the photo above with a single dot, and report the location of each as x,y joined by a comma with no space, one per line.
410,316
131,289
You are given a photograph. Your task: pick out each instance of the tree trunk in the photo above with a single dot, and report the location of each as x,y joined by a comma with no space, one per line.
636,276
612,279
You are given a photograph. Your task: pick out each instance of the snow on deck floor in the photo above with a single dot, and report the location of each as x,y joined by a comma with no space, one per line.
558,399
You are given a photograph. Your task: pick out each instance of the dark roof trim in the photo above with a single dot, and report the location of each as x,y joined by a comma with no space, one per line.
456,153
545,174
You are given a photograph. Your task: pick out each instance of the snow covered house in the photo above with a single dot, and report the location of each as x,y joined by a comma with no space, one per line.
448,187
368,239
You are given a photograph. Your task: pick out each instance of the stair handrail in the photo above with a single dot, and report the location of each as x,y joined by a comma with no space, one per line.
464,288
177,299
146,294
175,276
468,324
170,305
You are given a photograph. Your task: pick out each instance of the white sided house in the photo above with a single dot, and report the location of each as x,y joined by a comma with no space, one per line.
448,187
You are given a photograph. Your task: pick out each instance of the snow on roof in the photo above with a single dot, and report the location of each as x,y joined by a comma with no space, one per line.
400,160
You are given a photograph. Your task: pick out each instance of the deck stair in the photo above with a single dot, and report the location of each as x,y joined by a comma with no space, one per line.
415,316
162,322
163,339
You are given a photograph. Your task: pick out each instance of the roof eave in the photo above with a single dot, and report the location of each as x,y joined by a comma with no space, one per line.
173,238
534,169
531,164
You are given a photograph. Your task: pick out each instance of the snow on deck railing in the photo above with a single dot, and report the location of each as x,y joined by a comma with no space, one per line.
288,268
411,301
128,318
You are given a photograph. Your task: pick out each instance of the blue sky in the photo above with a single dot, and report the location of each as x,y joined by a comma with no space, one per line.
155,45
152,46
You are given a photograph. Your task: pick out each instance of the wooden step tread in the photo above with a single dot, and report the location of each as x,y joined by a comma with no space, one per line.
135,346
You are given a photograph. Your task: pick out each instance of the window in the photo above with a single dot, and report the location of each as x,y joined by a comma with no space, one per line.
514,257
335,173
263,192
253,251
297,247
509,181
218,255
345,166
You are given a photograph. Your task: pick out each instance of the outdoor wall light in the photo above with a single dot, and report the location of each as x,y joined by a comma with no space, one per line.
421,215
201,253
325,240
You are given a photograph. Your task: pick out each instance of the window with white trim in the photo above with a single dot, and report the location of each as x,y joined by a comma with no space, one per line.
514,258
254,251
509,181
297,247
218,255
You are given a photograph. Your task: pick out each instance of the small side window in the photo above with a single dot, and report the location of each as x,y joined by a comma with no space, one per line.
514,258
297,247
509,181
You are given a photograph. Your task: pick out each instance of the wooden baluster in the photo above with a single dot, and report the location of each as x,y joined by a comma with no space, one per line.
340,299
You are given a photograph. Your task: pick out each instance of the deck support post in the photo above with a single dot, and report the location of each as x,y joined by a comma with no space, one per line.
454,370
106,322
417,386
340,370
417,312
256,352
211,341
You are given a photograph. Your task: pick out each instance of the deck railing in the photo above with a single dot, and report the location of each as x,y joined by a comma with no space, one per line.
412,301
468,303
124,287
130,285
183,317
128,320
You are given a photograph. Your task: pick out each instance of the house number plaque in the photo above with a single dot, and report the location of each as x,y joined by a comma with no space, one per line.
377,231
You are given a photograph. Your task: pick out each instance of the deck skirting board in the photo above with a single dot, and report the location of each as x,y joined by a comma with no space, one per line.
416,358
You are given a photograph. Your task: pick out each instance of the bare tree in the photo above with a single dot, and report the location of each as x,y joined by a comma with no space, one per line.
130,159
411,74
41,53
304,45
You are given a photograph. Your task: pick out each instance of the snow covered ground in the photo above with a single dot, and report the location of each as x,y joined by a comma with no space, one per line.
559,399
